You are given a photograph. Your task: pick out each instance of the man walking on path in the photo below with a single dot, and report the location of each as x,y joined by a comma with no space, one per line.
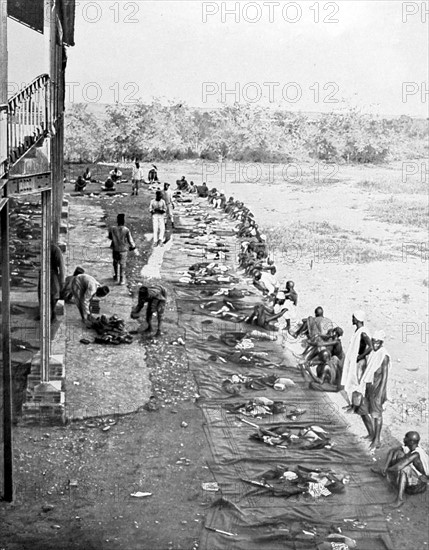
168,198
158,209
122,242
84,288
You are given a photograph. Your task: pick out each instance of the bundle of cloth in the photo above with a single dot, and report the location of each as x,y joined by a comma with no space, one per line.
234,383
285,482
110,330
257,407
312,437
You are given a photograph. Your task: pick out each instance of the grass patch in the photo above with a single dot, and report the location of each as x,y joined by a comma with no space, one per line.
393,184
322,242
394,210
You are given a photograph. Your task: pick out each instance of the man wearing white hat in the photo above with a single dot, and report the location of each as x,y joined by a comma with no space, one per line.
373,387
356,356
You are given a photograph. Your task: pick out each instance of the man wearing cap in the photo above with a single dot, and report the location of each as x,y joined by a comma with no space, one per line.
167,195
373,387
155,296
356,357
84,288
122,242
407,467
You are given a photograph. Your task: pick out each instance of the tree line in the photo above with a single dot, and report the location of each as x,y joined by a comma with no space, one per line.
155,131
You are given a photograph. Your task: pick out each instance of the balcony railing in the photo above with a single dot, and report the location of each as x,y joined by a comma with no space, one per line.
28,118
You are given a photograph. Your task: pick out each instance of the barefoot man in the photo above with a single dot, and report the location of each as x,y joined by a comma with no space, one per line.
407,467
155,296
374,389
355,361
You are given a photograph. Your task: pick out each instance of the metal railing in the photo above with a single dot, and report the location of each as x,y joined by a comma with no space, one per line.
28,117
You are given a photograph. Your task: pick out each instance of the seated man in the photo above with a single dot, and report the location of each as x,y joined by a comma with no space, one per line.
155,296
314,326
182,184
80,184
84,288
108,184
115,175
330,341
266,281
269,316
203,190
327,373
407,467
153,174
87,176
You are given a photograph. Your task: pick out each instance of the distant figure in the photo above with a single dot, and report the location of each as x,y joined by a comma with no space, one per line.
80,184
155,296
203,190
153,174
122,242
158,209
407,467
137,178
167,195
109,184
87,176
84,288
115,175
182,184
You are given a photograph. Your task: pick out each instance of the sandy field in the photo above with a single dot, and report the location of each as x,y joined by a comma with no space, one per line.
351,238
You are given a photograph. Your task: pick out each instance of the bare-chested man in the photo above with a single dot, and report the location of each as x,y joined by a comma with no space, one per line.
313,326
407,467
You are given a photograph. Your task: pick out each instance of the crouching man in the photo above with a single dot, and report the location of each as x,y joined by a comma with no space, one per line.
155,296
407,467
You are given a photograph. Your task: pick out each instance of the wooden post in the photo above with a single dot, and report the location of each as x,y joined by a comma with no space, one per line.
5,272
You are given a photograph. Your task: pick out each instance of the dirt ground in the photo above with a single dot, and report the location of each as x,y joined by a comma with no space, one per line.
74,483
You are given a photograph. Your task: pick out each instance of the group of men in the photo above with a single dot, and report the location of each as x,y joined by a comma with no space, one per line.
361,372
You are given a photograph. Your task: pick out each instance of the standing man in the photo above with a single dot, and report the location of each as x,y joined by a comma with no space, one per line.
122,242
356,356
374,389
158,208
167,195
57,279
137,178
84,288
155,296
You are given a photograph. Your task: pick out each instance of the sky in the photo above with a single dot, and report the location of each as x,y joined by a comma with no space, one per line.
300,56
